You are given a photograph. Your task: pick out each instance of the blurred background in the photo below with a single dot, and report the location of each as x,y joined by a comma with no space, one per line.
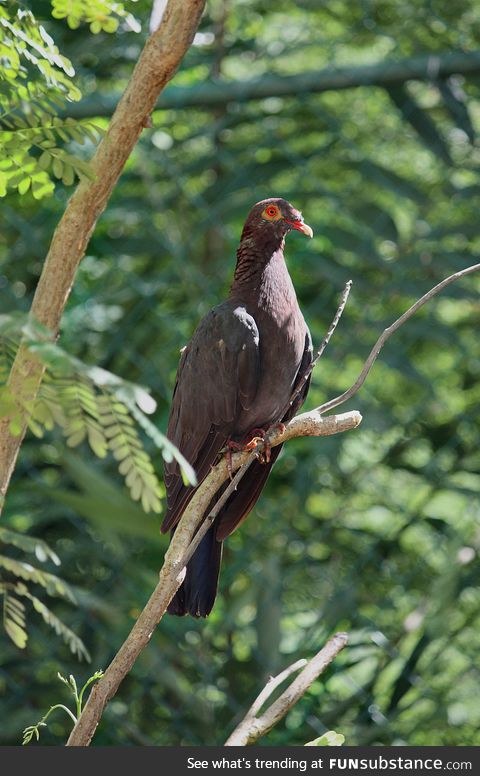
376,532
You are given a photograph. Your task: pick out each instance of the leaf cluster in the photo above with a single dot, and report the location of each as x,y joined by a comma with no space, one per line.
88,404
17,577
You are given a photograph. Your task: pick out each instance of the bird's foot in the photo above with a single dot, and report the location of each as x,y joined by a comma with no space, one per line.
255,438
249,443
265,453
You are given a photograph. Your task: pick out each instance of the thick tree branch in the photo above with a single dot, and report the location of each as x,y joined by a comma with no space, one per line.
252,727
177,555
158,62
210,94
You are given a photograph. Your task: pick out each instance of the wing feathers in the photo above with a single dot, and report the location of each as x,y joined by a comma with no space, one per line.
217,378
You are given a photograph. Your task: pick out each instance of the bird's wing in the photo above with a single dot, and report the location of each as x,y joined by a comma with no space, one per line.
251,485
302,379
216,380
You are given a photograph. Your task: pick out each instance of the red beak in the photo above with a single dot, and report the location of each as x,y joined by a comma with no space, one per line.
300,226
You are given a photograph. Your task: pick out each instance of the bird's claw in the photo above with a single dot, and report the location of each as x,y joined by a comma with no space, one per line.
265,454
258,438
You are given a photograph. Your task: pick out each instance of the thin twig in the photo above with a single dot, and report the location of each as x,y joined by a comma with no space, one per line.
217,507
325,341
271,686
251,728
330,405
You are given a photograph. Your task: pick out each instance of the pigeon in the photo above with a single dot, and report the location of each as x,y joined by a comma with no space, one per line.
245,370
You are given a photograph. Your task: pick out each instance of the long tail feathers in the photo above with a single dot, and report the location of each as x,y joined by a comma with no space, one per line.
197,593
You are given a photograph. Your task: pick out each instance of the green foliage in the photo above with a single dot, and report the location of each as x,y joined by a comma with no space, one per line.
374,532
34,730
330,738
101,15
12,590
88,404
36,81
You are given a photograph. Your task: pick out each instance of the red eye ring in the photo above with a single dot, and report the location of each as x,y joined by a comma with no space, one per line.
271,211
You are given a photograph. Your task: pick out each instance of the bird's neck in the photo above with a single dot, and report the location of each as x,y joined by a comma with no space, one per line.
261,276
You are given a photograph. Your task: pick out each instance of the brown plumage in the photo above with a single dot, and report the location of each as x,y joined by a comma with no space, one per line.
239,372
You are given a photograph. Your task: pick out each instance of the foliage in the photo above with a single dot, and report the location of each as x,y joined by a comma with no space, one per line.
36,81
374,532
101,15
330,738
88,404
34,730
14,576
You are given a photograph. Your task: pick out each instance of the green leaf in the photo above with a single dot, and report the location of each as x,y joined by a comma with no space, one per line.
30,544
330,738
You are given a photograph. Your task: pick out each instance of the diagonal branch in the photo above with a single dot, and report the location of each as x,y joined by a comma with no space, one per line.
252,727
325,341
157,64
173,569
387,333
271,686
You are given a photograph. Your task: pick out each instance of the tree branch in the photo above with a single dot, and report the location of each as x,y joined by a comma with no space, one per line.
252,727
215,94
177,555
158,62
330,405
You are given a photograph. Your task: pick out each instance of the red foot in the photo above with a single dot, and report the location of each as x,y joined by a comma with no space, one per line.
251,441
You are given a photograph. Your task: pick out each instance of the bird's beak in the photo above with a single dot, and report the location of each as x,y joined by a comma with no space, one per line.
300,226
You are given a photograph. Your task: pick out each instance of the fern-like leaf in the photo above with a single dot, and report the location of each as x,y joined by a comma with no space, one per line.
75,644
37,547
50,582
13,616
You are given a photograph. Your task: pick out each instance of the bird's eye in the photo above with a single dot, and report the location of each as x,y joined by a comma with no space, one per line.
271,213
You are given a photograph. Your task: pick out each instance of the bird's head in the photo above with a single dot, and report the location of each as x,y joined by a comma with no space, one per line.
272,219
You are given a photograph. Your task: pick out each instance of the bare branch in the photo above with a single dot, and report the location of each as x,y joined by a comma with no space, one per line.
271,686
218,94
252,727
158,62
330,405
177,555
326,339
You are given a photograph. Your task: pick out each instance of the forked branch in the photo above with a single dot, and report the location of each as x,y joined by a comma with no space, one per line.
252,727
387,333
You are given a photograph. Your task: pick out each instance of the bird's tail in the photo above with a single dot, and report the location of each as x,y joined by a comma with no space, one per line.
196,595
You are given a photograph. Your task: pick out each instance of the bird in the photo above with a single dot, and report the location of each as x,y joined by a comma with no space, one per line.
245,370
